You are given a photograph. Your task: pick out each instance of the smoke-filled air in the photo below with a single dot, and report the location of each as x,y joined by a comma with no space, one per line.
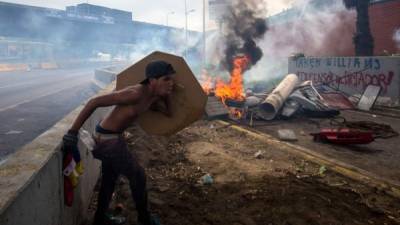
267,43
396,38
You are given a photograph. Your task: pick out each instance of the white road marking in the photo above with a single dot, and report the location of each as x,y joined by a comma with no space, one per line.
67,77
16,85
35,98
14,132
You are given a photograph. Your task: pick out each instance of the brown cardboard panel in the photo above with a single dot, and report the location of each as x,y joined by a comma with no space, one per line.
188,98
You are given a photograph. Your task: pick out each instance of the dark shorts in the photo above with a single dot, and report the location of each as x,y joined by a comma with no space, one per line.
115,153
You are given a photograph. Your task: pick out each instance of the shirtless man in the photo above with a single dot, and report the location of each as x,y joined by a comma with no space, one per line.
111,147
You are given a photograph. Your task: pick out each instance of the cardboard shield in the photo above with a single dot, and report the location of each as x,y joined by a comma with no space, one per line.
188,98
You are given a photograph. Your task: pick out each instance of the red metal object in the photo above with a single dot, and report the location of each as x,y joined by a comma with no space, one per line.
344,136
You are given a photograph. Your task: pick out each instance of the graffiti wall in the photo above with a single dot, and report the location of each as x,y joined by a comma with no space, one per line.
351,74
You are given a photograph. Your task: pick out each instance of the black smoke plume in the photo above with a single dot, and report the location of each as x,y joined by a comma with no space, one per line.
244,25
363,39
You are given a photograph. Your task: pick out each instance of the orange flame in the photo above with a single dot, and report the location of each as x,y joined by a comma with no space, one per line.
206,82
234,89
235,113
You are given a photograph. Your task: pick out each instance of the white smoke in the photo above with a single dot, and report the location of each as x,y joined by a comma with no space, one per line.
156,42
396,37
303,29
172,42
65,40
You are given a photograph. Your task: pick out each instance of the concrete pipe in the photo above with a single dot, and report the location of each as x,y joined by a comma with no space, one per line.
274,101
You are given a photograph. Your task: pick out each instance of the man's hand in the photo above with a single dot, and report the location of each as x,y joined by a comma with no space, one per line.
70,139
70,147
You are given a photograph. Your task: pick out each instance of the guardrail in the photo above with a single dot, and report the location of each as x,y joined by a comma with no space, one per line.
31,181
13,67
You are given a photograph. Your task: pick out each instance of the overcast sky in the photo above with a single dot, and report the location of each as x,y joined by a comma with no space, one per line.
153,11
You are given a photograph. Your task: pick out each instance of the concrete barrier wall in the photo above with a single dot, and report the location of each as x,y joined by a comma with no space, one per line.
26,66
31,181
104,76
13,67
351,74
48,65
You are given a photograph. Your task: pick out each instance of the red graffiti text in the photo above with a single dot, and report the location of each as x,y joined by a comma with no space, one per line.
359,80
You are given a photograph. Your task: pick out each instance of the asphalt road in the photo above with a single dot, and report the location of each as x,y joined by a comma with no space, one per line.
33,101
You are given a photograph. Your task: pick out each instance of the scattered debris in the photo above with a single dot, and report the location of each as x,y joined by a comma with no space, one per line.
273,103
327,113
337,100
234,103
290,100
115,219
385,102
303,101
379,130
301,167
206,179
287,135
322,170
343,136
315,106
258,155
252,101
369,97
290,108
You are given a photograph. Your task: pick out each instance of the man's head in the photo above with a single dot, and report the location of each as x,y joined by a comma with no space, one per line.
159,76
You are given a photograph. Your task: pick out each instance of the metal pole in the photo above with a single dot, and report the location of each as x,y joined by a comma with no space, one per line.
186,32
169,13
204,33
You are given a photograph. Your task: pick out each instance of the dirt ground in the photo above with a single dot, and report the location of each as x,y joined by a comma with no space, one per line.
273,188
380,157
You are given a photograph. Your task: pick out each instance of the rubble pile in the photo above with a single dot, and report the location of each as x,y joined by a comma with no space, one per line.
292,99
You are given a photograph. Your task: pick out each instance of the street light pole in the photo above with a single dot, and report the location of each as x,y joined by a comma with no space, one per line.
169,13
186,27
186,33
204,33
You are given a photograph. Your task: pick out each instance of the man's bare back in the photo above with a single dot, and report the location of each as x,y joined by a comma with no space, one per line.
124,115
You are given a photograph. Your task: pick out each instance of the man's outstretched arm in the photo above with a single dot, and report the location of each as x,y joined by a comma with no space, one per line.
122,97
